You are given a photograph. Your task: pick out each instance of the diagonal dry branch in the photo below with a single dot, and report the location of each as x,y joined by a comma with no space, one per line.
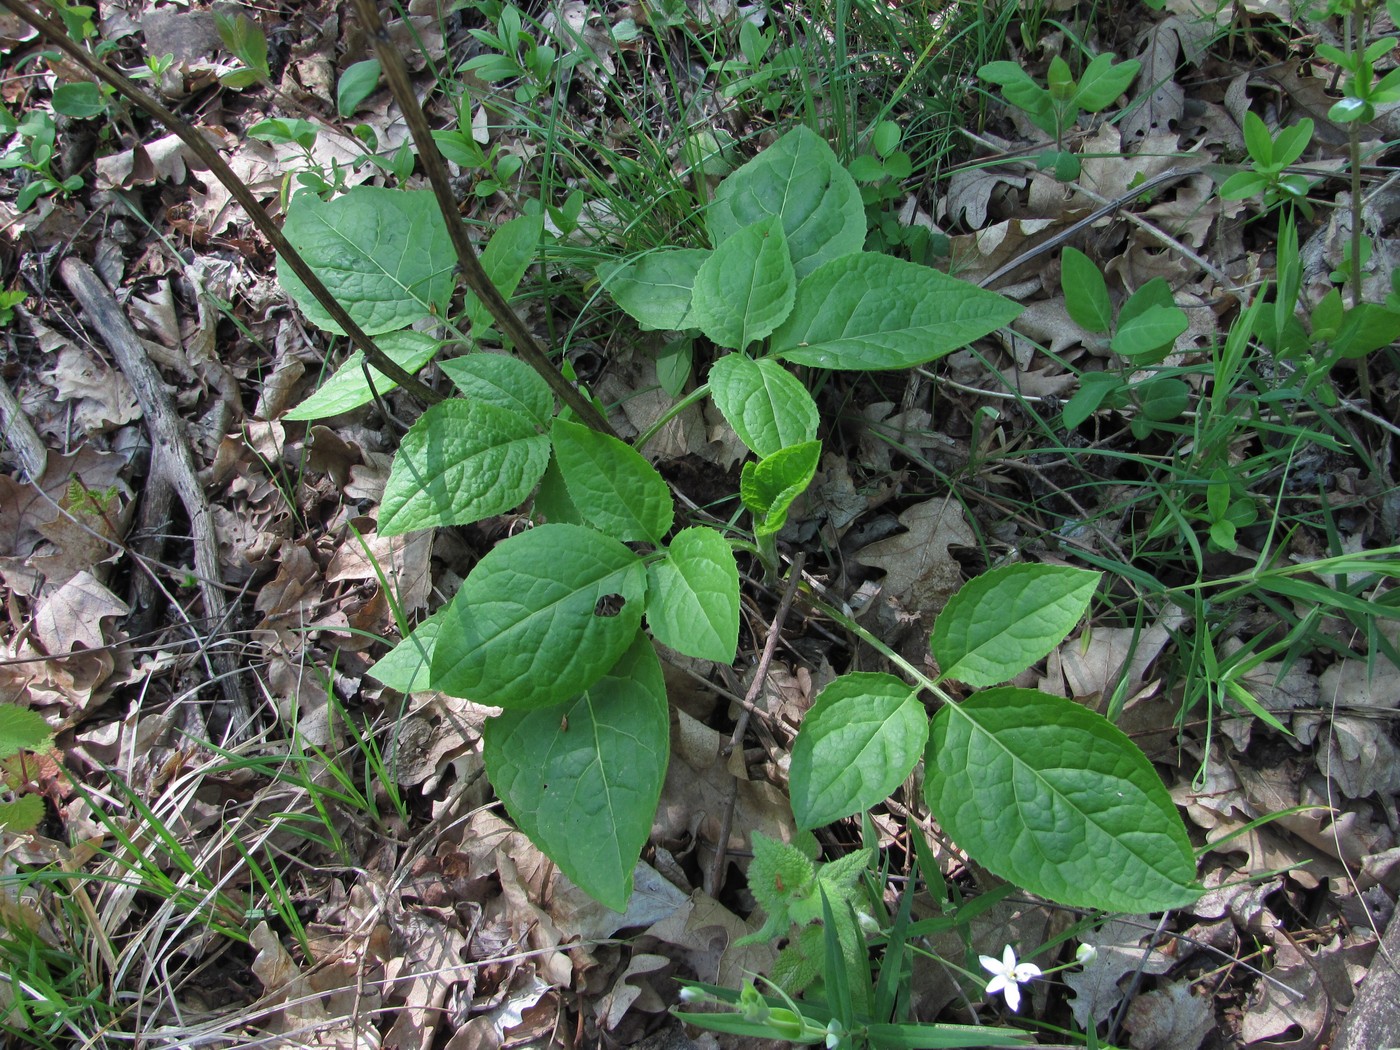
171,458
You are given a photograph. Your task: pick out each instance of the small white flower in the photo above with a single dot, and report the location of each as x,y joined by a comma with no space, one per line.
834,1033
1008,975
1085,954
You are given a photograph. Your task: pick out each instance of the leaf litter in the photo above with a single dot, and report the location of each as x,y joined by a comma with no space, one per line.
445,926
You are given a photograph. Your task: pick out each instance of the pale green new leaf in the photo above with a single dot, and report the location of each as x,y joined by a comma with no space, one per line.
861,738
348,389
769,486
612,485
1057,800
462,461
582,779
872,311
1001,622
383,253
506,257
656,289
503,381
541,618
768,407
693,596
799,179
745,288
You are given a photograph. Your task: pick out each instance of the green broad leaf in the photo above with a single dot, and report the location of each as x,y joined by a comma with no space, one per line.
1057,800
745,288
22,729
1243,184
1366,327
244,39
1094,388
23,814
768,407
1086,293
460,462
406,668
798,179
1001,622
503,381
348,389
612,485
673,365
868,312
769,486
1018,88
1155,292
1257,140
552,503
506,257
582,779
656,289
1164,399
356,84
384,254
541,618
80,101
693,596
862,737
1152,330
1103,81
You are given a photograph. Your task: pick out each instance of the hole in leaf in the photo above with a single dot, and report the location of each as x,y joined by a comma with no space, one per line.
609,605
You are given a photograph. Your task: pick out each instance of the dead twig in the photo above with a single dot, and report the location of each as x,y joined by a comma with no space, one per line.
171,458
21,436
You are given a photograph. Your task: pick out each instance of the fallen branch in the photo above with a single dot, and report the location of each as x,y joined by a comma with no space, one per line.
171,458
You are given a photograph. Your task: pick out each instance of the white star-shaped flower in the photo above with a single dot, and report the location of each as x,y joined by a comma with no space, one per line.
1008,975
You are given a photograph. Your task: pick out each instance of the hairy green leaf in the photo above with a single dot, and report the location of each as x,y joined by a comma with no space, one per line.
612,485
768,407
383,253
541,618
745,288
871,311
693,596
22,729
503,381
861,738
1001,622
582,779
1057,800
798,179
462,461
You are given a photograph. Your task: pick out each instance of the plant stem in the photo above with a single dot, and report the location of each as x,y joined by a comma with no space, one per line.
671,413
200,147
396,74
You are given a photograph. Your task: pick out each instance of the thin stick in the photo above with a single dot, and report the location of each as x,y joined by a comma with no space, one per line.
210,156
770,646
396,74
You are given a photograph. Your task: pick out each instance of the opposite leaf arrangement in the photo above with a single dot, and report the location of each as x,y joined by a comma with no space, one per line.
552,625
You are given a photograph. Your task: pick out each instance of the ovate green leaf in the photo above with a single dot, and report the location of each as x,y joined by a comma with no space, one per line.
693,596
348,389
1057,800
1086,293
541,618
1003,621
745,288
656,289
798,179
384,254
768,407
612,485
406,668
505,259
871,311
503,381
1153,329
582,779
861,738
460,462
356,84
